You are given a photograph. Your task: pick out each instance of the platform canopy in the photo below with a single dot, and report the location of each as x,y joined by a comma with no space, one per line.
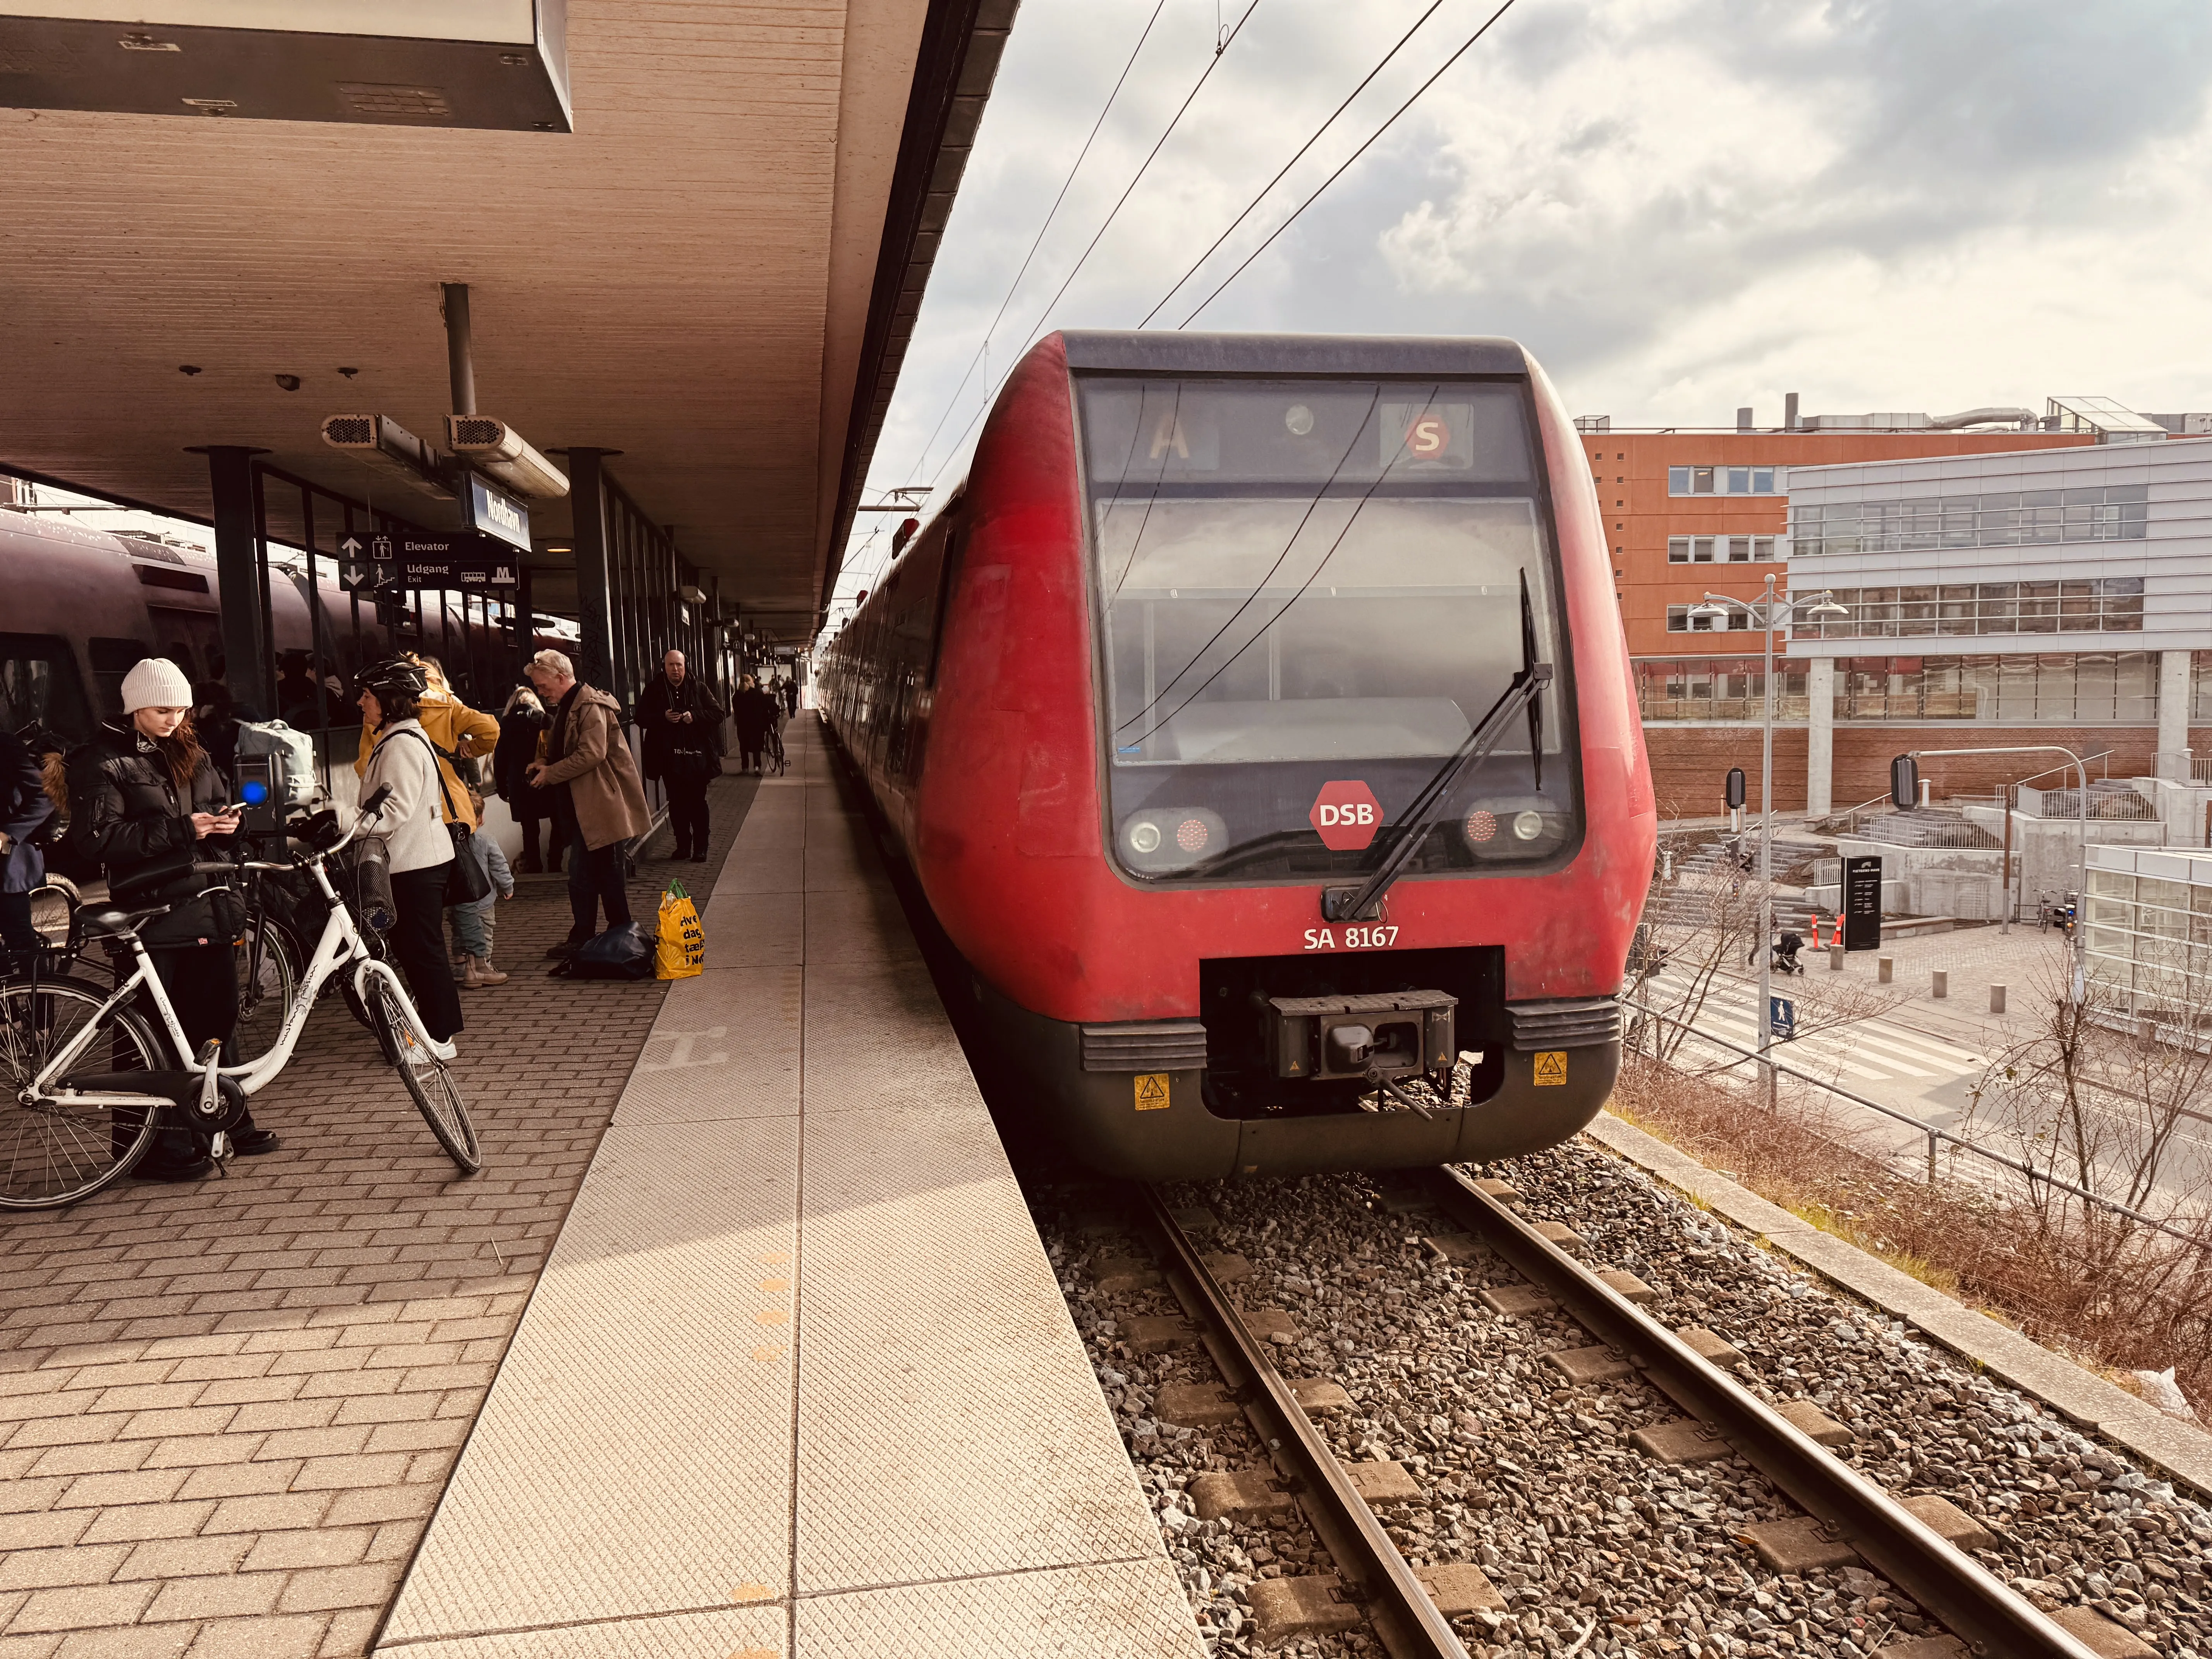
713,272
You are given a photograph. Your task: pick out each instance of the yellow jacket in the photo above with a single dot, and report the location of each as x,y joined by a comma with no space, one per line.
457,729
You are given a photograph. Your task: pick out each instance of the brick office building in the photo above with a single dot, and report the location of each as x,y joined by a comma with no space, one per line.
1693,511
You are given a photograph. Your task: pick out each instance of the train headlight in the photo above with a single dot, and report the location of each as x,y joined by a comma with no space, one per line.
1515,828
1163,838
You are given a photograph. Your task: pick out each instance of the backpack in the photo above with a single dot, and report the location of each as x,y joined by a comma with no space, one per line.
292,754
621,952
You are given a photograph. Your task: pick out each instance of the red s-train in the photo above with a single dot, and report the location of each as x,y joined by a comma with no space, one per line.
1256,720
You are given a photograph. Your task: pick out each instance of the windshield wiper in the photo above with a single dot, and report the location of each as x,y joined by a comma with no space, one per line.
1356,904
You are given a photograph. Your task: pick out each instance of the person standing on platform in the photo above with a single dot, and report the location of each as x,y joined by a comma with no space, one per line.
791,696
474,924
754,711
598,803
683,727
412,827
521,725
143,791
458,732
26,819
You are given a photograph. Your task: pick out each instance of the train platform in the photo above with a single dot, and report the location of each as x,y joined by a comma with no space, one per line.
796,1378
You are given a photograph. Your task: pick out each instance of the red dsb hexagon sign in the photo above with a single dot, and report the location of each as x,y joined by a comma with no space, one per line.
1346,814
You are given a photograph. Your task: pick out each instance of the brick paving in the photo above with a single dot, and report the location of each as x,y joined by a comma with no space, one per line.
228,1409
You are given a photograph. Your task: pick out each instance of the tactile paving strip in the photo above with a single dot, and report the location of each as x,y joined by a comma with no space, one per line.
948,1423
1121,1610
633,1454
857,924
877,1041
631,1474
725,1633
750,929
725,1045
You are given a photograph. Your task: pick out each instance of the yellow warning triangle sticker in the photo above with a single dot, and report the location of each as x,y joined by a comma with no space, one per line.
1152,1091
1551,1067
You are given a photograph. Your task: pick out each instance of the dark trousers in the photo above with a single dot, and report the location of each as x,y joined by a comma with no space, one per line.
201,982
16,933
595,879
530,855
687,812
417,940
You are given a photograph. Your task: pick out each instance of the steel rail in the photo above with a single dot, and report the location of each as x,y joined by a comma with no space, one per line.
1967,1599
1373,1573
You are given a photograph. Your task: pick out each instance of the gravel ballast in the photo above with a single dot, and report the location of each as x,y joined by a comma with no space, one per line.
1598,1548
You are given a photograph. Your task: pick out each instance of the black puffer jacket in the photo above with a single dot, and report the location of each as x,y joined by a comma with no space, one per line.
126,811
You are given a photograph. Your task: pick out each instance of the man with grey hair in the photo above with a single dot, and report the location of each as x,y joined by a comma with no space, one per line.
599,804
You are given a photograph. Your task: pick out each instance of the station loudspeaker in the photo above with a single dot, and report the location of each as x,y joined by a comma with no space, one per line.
1733,796
498,451
391,449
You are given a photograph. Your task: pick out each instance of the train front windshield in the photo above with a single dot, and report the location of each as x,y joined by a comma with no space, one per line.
1310,593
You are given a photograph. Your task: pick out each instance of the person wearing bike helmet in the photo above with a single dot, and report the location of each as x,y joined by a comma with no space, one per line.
144,793
412,827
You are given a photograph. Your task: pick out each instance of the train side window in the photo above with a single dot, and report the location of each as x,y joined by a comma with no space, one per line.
111,660
955,546
38,682
193,639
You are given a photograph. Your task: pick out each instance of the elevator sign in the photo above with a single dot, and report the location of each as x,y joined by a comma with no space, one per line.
1346,815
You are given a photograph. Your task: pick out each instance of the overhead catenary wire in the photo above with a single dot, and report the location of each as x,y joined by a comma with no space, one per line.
1465,47
984,345
1251,206
1091,246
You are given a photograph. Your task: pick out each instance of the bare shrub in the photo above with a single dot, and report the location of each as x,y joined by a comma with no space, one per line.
2124,1297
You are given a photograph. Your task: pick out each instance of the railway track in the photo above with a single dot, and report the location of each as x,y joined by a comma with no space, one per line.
1427,1611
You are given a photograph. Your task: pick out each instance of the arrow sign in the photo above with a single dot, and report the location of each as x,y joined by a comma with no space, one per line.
354,576
351,547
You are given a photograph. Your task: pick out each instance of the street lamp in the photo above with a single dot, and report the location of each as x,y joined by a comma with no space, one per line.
1822,603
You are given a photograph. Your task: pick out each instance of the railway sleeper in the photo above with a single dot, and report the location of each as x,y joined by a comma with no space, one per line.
1792,1546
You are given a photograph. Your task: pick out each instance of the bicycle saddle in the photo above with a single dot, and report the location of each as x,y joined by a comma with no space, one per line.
180,1089
108,920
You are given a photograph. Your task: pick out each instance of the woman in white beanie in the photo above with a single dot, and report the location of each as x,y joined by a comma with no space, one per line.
141,792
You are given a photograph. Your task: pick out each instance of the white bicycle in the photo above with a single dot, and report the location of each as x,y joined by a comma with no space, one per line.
94,1084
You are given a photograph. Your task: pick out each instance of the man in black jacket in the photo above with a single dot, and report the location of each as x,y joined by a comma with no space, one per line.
683,729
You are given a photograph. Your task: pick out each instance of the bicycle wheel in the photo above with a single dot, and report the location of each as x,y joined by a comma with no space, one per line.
268,968
53,1155
436,1095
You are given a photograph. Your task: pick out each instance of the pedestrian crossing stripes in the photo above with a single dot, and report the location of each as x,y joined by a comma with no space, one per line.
1869,1050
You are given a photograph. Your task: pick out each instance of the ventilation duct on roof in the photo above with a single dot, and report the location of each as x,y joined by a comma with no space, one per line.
1989,416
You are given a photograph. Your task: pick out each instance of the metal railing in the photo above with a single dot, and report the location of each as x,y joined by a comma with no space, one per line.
2019,1166
1932,827
2121,804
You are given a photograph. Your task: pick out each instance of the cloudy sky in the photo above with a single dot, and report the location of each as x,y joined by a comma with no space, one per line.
1681,206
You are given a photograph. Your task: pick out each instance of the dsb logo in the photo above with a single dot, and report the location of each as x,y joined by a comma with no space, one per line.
1346,815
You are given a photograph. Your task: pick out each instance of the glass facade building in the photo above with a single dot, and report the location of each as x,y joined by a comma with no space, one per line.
2150,940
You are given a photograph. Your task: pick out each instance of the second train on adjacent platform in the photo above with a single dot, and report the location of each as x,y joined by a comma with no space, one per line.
1256,720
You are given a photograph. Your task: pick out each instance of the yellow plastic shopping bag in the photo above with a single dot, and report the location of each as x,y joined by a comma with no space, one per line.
682,949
